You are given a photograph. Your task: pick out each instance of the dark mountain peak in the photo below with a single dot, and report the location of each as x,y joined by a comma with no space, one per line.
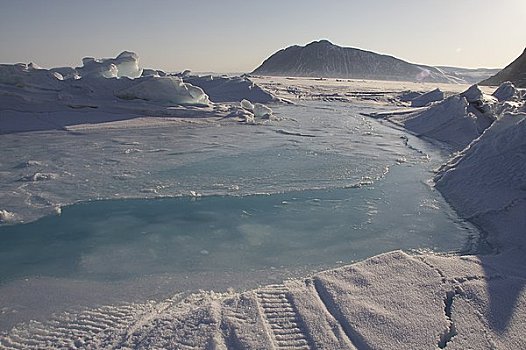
322,58
514,72
322,42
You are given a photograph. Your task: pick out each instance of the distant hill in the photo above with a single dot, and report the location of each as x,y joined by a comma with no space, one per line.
514,72
324,59
468,75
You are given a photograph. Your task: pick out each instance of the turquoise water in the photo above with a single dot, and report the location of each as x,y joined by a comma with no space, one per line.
119,239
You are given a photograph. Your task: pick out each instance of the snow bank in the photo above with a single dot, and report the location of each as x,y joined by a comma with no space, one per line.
427,98
118,86
448,121
230,89
29,75
459,119
489,175
165,89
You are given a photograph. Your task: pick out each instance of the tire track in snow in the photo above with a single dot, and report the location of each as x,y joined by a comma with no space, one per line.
354,337
71,331
282,318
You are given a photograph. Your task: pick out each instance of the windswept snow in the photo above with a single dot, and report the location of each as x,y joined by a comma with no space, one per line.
494,168
390,301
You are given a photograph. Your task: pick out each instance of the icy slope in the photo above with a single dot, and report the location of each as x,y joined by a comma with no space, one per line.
488,179
437,302
461,118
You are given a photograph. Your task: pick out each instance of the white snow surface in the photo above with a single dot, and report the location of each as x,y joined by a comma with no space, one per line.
460,119
391,301
494,168
115,88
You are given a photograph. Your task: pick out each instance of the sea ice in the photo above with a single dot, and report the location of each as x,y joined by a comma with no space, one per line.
124,65
262,111
165,89
245,104
507,92
6,216
230,89
427,98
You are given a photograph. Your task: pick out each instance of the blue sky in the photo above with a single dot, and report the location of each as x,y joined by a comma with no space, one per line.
236,35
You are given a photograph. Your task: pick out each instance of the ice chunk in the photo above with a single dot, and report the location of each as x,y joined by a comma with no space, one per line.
22,75
150,73
262,111
165,89
246,104
408,96
39,177
6,216
507,92
473,94
427,98
124,65
127,64
97,68
230,89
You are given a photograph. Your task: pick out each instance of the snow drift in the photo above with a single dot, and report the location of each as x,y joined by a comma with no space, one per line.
230,89
489,177
457,120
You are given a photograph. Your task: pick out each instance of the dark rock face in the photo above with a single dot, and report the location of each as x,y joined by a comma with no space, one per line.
324,59
515,72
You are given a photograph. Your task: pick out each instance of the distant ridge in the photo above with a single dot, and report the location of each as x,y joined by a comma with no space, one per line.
514,72
324,59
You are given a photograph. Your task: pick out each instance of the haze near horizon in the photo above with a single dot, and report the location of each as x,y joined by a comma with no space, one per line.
237,36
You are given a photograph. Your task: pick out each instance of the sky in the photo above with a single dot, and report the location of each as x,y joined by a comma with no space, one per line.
238,35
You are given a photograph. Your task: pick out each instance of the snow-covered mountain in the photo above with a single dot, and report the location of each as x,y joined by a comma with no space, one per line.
514,72
324,59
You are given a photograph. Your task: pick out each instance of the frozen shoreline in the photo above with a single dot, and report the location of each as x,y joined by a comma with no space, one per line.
393,300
